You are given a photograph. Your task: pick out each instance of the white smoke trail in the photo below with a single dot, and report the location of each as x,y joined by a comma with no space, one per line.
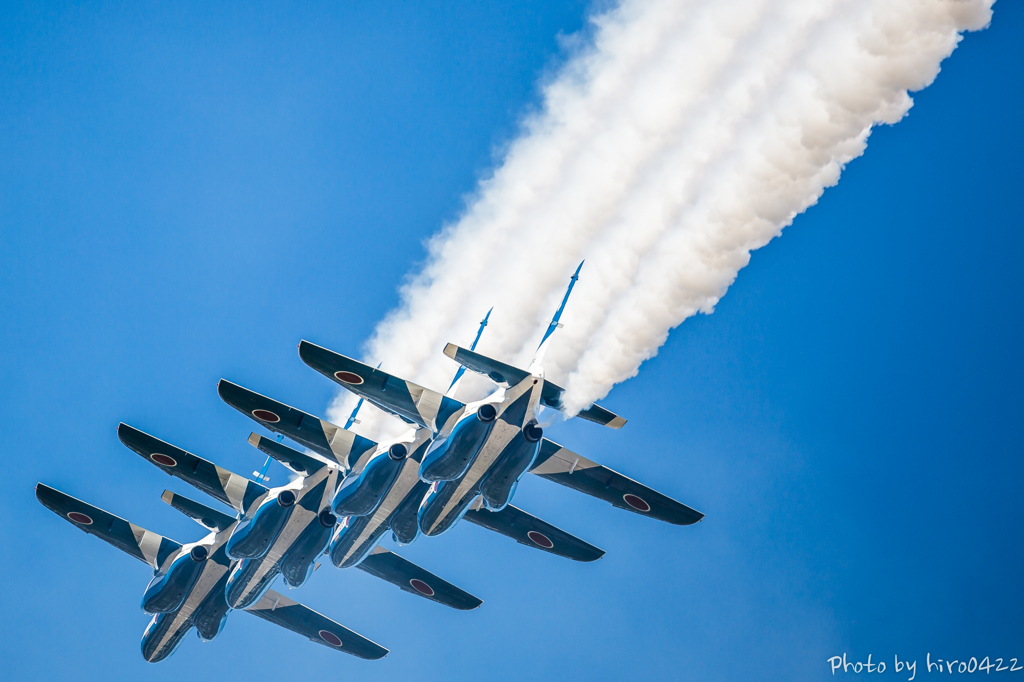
687,134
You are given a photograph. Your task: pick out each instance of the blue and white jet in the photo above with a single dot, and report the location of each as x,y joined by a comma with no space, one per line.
188,585
380,488
478,451
282,530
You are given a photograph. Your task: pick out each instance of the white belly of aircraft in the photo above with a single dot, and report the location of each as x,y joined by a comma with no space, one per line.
501,435
407,480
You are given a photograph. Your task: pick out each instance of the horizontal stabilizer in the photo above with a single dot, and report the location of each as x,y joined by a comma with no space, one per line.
507,375
528,530
299,462
233,490
322,437
211,519
404,399
142,544
565,467
401,572
280,610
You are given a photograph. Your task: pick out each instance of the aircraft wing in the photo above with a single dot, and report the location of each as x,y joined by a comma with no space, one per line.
322,437
404,399
280,610
507,375
142,544
528,530
233,490
389,566
565,467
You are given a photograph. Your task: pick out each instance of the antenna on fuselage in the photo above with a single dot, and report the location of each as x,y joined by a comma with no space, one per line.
542,348
462,370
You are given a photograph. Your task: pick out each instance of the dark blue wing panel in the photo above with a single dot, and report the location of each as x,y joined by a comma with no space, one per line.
322,437
565,467
528,530
233,490
415,580
280,610
404,399
142,544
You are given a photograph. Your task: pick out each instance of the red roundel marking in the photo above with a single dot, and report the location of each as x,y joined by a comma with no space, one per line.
540,539
266,416
330,638
422,587
636,503
78,517
163,459
349,377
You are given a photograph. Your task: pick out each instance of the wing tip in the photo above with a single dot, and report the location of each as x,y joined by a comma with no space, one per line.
616,423
478,604
450,350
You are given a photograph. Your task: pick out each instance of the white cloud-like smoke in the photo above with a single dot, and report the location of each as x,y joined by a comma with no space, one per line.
685,135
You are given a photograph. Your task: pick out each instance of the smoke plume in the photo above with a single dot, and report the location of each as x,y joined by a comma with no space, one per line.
682,136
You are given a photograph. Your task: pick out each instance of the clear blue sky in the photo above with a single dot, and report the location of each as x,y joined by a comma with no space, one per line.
186,191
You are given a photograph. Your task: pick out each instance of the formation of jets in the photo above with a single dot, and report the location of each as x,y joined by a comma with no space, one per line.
458,460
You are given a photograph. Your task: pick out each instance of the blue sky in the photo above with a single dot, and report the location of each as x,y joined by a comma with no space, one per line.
186,191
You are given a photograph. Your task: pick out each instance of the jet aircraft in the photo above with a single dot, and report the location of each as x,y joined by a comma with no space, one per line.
188,585
381,489
282,530
479,450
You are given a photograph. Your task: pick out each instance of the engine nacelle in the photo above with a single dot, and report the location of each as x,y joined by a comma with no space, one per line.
249,581
163,636
404,523
451,458
350,544
210,617
167,590
298,562
361,495
254,536
498,484
433,518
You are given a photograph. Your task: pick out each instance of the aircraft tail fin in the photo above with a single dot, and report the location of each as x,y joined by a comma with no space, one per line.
210,519
507,375
298,462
